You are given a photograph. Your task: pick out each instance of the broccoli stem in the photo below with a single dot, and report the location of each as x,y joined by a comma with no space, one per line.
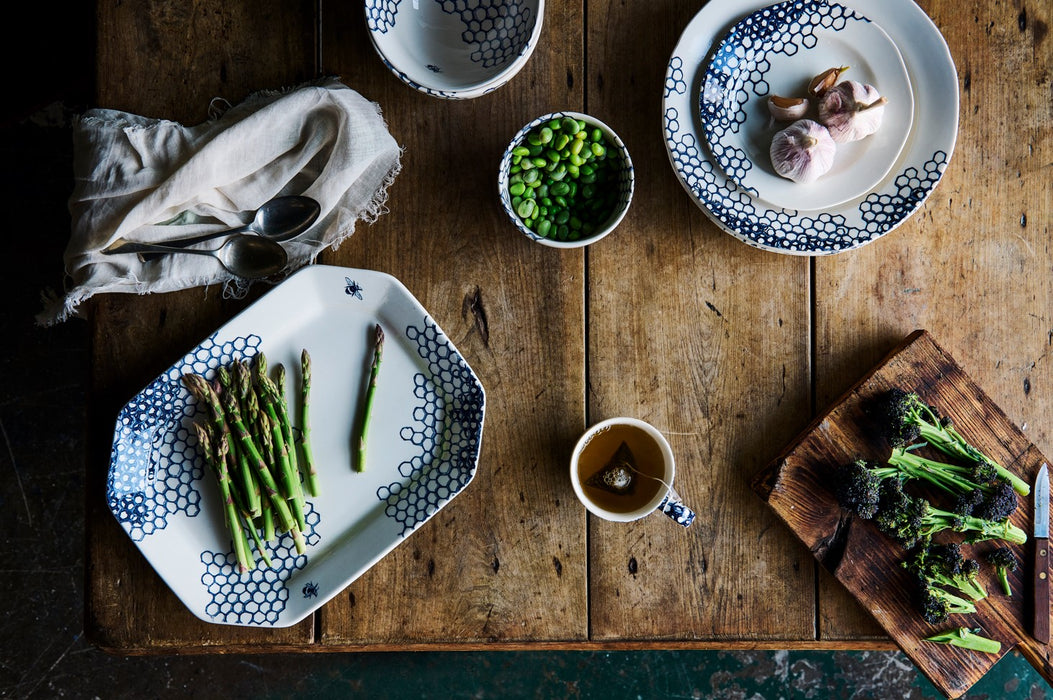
1003,578
967,639
952,478
946,439
939,603
936,520
1003,560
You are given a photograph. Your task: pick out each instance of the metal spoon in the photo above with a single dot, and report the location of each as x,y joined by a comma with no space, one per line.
279,219
243,255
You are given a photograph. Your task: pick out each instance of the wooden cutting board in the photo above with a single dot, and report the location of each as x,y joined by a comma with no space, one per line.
798,486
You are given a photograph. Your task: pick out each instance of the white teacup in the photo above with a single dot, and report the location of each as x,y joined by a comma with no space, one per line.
622,469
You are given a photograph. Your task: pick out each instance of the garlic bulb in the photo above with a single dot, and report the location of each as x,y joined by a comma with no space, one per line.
803,151
851,110
787,109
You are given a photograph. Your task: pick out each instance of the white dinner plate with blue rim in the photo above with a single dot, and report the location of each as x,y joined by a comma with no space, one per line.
776,51
917,171
423,447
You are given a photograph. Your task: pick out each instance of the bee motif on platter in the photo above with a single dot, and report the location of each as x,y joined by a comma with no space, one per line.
310,590
352,288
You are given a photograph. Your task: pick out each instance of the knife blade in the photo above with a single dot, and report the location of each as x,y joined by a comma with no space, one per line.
1041,587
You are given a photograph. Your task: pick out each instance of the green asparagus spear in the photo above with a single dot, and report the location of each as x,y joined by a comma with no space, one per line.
281,406
202,391
367,406
291,488
260,365
305,423
267,483
216,459
239,505
268,522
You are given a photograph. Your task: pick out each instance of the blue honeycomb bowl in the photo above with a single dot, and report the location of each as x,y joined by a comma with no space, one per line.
454,49
625,182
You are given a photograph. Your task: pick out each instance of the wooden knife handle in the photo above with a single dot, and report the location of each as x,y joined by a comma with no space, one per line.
1041,589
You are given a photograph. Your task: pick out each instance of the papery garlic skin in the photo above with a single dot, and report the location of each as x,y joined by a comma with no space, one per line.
787,109
851,110
803,151
825,80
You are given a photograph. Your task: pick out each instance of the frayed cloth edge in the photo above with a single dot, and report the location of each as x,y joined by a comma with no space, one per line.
59,309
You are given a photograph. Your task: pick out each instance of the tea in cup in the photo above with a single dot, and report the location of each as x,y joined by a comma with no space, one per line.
622,470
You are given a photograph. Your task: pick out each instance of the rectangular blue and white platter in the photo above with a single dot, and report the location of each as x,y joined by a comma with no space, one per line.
423,446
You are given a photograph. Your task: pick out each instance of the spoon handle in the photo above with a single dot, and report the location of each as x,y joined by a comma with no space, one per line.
153,248
132,247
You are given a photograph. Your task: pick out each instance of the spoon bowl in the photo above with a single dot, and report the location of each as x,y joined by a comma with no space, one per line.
243,255
284,218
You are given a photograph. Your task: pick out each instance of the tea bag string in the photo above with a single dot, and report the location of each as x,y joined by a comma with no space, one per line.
648,476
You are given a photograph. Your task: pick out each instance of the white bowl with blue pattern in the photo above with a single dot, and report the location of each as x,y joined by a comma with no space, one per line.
624,181
454,49
916,172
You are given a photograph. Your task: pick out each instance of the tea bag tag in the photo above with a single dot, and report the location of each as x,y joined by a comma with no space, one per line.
618,476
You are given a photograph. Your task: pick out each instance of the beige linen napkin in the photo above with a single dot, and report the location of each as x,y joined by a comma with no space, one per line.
152,180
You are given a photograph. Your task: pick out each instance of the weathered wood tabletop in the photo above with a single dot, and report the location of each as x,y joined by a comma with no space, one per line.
728,349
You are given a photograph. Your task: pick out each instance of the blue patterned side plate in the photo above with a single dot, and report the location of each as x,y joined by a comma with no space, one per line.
776,51
785,229
423,447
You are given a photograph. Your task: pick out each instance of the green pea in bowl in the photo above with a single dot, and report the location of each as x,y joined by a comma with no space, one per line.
566,180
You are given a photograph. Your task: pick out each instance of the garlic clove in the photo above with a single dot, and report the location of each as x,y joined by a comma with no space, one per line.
825,80
803,151
787,109
851,111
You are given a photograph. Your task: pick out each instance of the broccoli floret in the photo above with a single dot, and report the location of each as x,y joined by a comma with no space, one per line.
936,604
911,520
859,488
998,503
895,411
900,515
967,639
983,472
943,565
1004,561
906,417
859,484
967,503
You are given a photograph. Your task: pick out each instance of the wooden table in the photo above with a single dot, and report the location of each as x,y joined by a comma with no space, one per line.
728,349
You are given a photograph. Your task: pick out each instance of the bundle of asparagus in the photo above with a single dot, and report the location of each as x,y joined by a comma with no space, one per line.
248,442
